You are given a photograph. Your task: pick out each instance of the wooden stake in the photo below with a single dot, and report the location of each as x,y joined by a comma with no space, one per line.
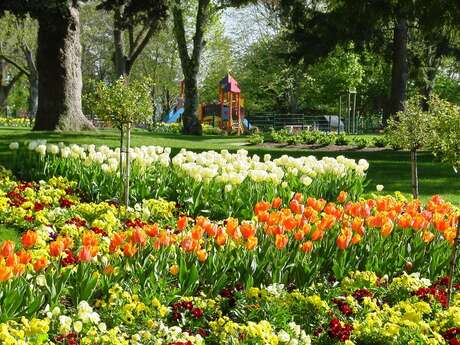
453,262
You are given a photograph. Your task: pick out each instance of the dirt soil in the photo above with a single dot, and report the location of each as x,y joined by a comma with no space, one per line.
325,148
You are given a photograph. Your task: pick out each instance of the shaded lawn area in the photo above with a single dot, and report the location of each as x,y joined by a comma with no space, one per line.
390,168
7,233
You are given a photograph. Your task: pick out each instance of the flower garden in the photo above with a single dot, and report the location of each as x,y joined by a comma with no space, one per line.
219,248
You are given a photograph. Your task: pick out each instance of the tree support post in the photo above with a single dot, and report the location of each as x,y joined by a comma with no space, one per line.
413,159
127,168
453,262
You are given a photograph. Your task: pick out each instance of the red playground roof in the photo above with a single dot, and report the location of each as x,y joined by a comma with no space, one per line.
229,84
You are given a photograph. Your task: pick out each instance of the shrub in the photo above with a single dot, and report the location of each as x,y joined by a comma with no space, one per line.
256,139
342,139
380,141
361,142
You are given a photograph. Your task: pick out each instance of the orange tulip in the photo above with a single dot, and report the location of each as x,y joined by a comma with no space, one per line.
19,269
182,223
247,230
263,216
290,223
85,254
251,243
281,241
342,197
317,235
202,255
129,249
5,273
188,244
276,203
197,232
296,206
356,239
387,228
138,236
152,230
7,248
343,240
299,235
306,247
56,248
24,257
29,239
40,264
306,229
261,206
221,238
67,242
11,260
427,236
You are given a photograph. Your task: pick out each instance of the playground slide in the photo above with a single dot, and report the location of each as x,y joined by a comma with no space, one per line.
174,115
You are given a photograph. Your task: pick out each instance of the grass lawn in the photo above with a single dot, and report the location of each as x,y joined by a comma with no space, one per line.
8,234
390,168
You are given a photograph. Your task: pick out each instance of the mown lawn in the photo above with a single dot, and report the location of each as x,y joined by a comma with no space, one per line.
7,233
390,168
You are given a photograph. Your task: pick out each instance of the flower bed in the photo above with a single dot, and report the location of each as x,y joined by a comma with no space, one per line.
217,184
303,271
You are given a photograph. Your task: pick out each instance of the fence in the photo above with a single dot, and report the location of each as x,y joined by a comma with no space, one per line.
325,123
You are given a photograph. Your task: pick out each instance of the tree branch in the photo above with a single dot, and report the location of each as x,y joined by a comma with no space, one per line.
141,45
13,81
179,32
201,21
15,64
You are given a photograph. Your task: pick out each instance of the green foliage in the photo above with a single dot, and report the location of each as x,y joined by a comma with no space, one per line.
361,142
411,129
342,140
380,141
445,142
256,139
119,102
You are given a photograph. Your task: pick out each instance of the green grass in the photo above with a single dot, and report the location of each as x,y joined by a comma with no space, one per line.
8,234
390,168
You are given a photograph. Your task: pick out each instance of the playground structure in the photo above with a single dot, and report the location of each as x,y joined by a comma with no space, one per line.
227,114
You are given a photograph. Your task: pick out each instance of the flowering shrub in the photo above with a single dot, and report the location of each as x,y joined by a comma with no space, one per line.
15,122
217,184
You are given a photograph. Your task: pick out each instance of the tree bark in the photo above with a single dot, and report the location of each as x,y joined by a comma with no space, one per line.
33,82
119,45
6,88
191,64
59,68
399,73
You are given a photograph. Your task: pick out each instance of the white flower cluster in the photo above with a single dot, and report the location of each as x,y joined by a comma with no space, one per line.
295,336
108,159
234,169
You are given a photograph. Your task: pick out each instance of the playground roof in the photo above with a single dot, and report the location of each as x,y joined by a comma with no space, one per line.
229,84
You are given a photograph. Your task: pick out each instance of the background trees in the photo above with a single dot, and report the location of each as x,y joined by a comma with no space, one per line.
288,56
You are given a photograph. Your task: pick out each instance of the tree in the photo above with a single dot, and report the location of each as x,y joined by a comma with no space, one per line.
58,62
445,144
190,58
317,27
139,20
411,130
20,36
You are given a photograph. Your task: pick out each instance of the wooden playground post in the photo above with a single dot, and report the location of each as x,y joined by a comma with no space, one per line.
238,112
230,111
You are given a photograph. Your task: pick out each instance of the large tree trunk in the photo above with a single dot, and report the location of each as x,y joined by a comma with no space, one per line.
59,69
190,64
399,73
191,124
